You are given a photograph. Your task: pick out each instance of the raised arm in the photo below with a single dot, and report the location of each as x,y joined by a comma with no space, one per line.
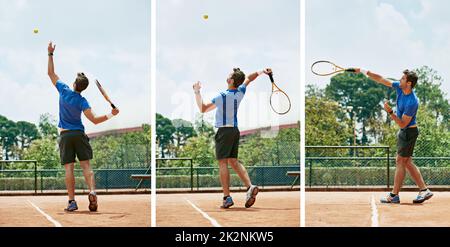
51,67
254,75
198,99
377,78
99,119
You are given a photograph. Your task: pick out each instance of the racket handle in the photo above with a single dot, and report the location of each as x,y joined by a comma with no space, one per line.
350,70
271,77
113,106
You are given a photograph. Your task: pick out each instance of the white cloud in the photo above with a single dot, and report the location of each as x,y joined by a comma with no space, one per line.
191,49
105,47
385,37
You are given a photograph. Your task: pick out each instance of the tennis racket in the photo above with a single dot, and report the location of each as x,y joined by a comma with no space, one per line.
105,95
325,68
279,100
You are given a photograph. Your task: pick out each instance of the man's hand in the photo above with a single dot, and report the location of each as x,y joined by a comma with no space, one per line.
51,48
387,108
267,71
115,111
197,86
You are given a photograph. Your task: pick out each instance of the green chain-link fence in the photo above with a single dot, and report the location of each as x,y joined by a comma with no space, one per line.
267,160
112,166
338,166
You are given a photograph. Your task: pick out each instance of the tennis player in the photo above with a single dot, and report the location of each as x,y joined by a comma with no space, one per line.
73,142
227,136
405,118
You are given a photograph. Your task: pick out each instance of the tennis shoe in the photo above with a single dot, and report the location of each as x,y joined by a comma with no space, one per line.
227,202
390,199
423,196
92,201
251,196
72,206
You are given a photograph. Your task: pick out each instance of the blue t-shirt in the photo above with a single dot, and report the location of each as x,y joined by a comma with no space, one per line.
227,104
406,104
71,104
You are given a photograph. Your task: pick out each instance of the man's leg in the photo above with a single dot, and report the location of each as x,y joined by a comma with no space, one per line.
225,181
70,185
70,181
424,193
241,171
400,172
415,174
88,174
252,190
90,181
224,176
399,177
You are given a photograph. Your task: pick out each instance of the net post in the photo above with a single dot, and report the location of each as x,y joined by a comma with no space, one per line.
42,182
35,177
198,178
310,173
388,167
263,182
192,175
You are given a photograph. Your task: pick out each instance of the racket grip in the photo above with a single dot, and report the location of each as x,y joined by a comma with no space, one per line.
271,77
113,106
350,70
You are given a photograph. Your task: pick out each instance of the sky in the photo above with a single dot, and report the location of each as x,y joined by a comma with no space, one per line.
109,40
384,36
250,35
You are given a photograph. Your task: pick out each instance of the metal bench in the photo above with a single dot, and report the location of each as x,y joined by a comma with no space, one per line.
142,177
297,176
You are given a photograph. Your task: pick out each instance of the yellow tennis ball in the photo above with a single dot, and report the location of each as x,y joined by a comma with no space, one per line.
205,17
35,30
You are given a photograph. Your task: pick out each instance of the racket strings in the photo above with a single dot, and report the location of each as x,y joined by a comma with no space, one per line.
280,102
324,68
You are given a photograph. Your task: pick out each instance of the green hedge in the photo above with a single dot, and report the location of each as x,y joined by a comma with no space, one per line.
350,176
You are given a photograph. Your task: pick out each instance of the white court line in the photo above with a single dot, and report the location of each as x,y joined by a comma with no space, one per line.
49,218
374,218
205,215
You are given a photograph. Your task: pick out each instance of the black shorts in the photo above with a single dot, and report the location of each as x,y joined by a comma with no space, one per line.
406,140
227,142
74,144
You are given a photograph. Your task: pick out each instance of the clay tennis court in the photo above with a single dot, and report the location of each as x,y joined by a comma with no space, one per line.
363,209
48,211
276,209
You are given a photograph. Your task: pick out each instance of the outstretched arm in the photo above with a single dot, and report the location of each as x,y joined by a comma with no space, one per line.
375,77
51,67
254,75
198,99
99,119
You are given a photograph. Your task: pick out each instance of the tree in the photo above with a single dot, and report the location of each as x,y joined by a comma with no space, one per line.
183,131
361,94
201,149
8,136
164,134
27,133
323,126
45,152
47,126
429,92
203,127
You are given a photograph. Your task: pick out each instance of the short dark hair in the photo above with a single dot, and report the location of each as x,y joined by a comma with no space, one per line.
238,77
411,76
81,83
